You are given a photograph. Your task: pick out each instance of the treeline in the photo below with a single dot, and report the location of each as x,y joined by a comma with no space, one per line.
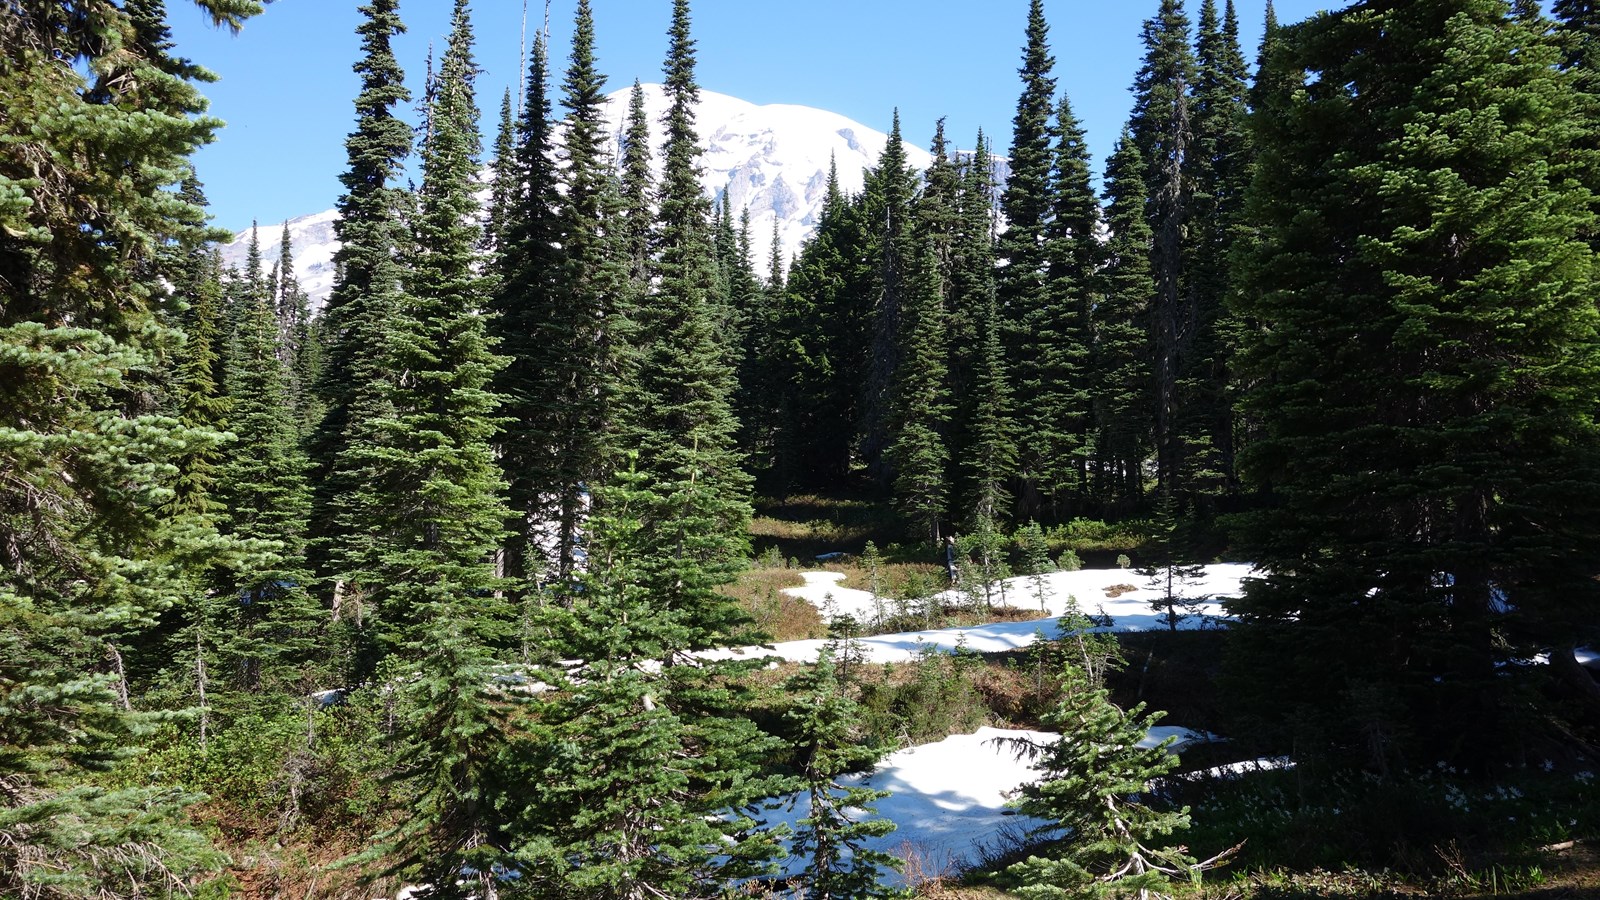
1344,312
1042,366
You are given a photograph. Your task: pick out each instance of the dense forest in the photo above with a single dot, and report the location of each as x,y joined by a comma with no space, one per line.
435,586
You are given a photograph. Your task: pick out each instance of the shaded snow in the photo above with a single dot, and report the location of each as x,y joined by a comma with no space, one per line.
949,798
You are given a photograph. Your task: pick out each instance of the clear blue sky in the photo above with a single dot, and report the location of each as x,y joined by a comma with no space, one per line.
287,87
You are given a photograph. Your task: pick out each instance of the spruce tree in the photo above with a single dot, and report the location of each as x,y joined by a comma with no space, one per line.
637,190
90,545
430,506
680,418
1427,346
296,343
353,324
1122,359
1161,128
832,836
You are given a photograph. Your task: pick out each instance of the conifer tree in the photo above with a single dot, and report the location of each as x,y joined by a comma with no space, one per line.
886,213
820,325
1580,20
1121,364
623,794
987,445
680,418
1423,242
1218,169
839,819
1094,773
1161,129
1021,283
353,324
106,552
430,505
504,184
201,404
1063,406
637,189
296,344
273,621
919,454
543,342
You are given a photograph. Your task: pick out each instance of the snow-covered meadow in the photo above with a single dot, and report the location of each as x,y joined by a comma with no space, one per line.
1129,610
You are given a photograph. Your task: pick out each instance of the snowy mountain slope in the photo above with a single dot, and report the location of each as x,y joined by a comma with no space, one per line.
772,160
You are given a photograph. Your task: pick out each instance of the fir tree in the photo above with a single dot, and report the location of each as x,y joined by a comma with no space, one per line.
680,419
839,819
626,795
886,211
919,454
430,506
1110,841
353,325
1122,370
987,447
296,345
273,622
819,328
1161,129
1423,283
637,189
1022,283
1063,408
543,341
1218,168
90,545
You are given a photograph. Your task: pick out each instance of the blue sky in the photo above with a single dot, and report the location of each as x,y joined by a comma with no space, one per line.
287,87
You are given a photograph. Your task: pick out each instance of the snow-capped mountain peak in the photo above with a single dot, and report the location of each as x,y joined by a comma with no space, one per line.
772,160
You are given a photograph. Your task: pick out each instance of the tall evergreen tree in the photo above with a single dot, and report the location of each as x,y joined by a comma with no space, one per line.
986,443
886,212
1022,282
1121,365
296,342
820,325
1073,253
354,321
1422,379
90,546
680,418
1162,130
431,509
544,341
273,621
637,189
1218,168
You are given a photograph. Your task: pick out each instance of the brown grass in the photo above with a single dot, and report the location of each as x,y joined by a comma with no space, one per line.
1117,590
779,616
